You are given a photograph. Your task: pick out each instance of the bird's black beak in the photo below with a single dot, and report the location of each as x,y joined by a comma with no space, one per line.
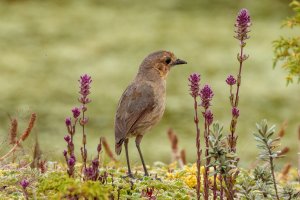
179,62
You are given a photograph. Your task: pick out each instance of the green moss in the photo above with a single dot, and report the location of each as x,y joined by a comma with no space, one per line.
58,185
55,184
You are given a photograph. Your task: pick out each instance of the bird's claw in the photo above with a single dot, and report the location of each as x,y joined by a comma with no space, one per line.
128,176
149,177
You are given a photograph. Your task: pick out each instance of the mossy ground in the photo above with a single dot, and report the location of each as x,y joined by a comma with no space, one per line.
167,182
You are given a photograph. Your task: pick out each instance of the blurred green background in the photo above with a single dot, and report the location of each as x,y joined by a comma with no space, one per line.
46,45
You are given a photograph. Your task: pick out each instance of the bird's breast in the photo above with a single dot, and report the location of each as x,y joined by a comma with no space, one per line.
160,100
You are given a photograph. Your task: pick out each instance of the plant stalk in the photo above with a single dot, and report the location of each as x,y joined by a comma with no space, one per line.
84,154
196,120
221,187
273,175
215,183
207,161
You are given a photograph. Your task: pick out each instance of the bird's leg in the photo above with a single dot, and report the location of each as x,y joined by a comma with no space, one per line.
138,140
127,158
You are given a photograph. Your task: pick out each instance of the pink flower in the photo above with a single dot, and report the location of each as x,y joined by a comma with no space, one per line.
76,112
243,22
206,95
230,80
85,82
235,112
194,80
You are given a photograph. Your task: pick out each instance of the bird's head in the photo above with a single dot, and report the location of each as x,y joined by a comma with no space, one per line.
159,64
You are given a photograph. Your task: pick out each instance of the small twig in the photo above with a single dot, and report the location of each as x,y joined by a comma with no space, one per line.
13,134
283,127
174,145
285,170
29,128
13,131
284,151
107,149
22,138
36,154
183,156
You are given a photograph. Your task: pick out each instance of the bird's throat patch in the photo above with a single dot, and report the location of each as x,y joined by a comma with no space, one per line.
163,71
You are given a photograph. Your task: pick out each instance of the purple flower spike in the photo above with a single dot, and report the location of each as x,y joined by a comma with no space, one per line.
230,80
85,82
206,95
95,163
68,121
209,117
24,183
243,18
243,22
65,153
206,92
84,121
235,112
76,112
99,147
67,138
194,84
89,172
71,161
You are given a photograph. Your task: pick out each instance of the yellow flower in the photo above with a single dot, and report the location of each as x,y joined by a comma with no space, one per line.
177,175
190,170
190,180
193,169
173,165
202,169
170,175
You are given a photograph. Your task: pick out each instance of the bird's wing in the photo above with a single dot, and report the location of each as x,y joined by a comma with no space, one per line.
135,103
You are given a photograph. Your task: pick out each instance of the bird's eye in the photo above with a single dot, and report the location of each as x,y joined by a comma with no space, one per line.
168,60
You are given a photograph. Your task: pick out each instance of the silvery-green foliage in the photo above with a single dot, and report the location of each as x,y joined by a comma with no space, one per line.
263,174
266,144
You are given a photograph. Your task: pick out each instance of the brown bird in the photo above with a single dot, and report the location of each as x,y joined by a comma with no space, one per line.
142,104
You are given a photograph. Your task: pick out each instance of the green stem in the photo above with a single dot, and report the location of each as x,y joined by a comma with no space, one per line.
273,175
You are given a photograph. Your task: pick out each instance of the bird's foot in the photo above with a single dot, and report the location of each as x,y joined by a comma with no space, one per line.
128,176
150,177
156,178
